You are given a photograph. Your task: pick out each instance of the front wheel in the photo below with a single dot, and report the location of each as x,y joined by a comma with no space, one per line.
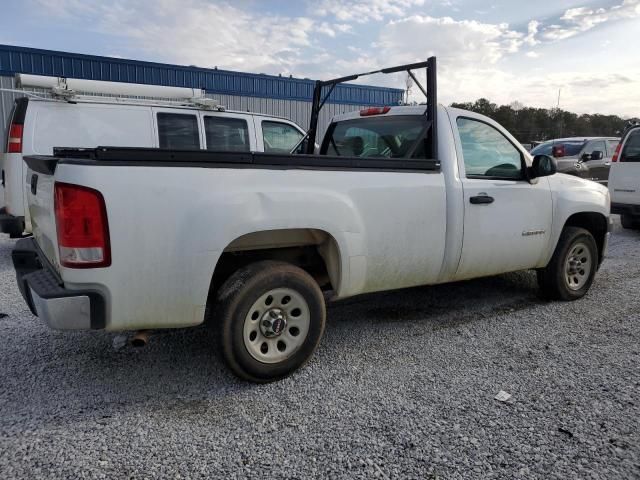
271,317
570,273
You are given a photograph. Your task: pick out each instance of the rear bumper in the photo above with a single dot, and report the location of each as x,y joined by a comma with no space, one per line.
14,226
44,292
625,209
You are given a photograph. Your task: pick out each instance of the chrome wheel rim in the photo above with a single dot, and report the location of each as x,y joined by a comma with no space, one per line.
578,266
276,325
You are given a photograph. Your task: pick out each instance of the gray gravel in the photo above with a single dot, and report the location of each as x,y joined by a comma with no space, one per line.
402,386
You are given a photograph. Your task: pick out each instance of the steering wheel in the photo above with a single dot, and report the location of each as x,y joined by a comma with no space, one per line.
504,169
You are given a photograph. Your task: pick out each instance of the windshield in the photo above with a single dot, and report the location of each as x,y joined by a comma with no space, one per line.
571,148
378,137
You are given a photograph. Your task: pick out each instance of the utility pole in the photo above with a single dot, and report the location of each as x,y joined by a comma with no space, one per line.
559,114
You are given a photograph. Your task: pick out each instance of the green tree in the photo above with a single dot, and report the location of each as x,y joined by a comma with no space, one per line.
529,124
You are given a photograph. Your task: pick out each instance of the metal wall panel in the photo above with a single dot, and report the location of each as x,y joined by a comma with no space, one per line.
294,110
62,64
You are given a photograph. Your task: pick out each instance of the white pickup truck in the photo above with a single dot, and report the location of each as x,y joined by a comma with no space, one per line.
128,239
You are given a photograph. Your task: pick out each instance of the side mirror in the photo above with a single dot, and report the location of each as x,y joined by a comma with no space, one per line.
596,155
543,166
557,151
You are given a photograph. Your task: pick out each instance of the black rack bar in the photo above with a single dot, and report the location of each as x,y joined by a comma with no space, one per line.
141,156
432,105
430,92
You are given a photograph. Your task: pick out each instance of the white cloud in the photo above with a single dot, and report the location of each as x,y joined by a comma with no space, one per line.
362,11
331,30
343,27
532,31
466,41
198,32
326,29
532,54
583,19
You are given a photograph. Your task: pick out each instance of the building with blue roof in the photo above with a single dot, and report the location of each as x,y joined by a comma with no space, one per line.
270,94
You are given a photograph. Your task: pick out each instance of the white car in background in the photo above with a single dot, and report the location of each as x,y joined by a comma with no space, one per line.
624,179
183,120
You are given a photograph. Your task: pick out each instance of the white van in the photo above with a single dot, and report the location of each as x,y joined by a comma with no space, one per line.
39,124
624,179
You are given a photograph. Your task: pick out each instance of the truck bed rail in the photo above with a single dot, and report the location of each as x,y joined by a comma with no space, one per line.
150,157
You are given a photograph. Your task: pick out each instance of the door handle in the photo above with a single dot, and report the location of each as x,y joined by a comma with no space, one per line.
481,199
34,184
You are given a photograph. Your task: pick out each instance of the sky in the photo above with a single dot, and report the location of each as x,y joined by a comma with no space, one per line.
506,51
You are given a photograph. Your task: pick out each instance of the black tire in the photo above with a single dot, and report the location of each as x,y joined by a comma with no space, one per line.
239,294
629,222
553,279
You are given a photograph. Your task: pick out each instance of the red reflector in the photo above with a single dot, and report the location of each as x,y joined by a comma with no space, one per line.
616,154
14,145
83,230
374,111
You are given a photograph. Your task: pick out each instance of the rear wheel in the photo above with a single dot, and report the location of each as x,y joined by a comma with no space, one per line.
271,317
630,222
570,273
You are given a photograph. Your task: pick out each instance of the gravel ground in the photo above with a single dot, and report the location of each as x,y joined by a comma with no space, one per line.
403,386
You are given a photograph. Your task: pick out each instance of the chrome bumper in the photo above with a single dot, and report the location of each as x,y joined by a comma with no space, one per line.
64,313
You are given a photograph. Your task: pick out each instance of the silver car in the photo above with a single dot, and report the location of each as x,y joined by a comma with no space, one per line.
585,157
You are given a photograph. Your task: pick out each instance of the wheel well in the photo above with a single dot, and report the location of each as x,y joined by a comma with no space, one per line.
595,223
315,251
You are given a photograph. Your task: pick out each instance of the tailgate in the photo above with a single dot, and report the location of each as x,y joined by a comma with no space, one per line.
40,180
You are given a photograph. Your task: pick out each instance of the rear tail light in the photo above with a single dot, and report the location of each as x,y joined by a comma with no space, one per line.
616,154
367,112
14,145
83,230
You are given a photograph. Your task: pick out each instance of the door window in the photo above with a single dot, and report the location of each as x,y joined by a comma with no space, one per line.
279,137
226,134
611,147
179,131
596,147
487,152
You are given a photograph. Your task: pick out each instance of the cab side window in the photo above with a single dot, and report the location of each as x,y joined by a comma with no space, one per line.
487,152
178,131
226,134
596,147
279,137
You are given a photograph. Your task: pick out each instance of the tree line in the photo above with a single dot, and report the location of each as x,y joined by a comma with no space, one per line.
529,124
